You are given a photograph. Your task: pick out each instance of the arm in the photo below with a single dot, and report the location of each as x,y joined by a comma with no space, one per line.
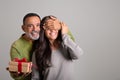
74,50
14,53
65,30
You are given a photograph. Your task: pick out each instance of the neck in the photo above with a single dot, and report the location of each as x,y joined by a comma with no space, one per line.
52,42
54,45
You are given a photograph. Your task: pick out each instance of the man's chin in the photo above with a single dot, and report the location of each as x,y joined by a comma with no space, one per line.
34,38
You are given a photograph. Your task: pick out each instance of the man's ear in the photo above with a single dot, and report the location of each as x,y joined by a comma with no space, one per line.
23,27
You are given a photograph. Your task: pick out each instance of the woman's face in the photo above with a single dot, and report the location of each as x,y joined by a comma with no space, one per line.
51,29
51,34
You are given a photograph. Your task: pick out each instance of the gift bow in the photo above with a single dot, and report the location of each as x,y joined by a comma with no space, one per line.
20,63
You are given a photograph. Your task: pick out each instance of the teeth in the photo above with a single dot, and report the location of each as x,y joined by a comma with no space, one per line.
52,34
34,32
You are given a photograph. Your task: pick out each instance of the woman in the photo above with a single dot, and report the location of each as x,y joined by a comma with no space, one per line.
54,51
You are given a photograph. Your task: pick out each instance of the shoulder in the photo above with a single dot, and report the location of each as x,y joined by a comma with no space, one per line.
20,42
17,42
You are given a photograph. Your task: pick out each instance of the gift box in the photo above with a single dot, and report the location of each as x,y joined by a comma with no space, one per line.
20,66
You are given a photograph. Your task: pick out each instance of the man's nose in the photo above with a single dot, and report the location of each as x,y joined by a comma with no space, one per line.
35,27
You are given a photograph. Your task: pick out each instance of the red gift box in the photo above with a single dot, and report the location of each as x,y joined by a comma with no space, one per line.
20,65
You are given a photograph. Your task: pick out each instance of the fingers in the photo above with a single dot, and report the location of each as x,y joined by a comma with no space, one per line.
64,28
53,24
54,18
25,74
49,23
57,24
63,25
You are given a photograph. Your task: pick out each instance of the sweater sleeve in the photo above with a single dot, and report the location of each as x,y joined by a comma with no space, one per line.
74,50
14,54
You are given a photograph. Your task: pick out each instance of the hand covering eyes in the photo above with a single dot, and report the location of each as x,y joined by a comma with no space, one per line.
52,23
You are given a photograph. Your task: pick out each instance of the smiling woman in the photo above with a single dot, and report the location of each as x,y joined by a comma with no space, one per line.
51,27
54,52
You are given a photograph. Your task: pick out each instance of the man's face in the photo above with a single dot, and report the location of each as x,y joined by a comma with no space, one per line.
32,27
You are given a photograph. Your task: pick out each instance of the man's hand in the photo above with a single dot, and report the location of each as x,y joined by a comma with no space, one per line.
17,74
53,23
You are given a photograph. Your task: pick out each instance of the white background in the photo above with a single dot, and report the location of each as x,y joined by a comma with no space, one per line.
95,25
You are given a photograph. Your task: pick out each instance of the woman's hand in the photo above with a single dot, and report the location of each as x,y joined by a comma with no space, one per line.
64,28
53,23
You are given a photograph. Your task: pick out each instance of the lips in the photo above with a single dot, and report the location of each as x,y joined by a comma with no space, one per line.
53,34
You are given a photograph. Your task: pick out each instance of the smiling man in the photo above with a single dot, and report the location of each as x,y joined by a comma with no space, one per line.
21,48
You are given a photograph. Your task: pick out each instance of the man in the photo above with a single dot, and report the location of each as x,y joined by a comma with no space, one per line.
21,48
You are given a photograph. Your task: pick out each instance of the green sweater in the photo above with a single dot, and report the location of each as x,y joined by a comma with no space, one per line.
21,49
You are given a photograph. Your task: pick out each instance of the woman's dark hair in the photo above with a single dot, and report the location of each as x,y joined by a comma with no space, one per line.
42,50
30,15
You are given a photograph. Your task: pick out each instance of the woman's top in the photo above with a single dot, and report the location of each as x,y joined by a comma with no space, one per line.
62,66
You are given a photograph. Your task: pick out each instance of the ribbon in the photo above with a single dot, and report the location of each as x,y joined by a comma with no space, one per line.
20,63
